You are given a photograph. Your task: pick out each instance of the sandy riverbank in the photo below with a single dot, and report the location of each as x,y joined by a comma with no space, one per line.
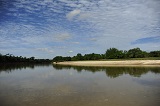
112,63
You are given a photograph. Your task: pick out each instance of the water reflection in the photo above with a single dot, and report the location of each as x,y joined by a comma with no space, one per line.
113,72
11,67
30,85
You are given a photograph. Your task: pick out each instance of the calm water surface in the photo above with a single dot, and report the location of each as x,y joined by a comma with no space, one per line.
48,85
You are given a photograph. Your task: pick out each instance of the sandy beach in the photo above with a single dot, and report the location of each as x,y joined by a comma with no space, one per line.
112,63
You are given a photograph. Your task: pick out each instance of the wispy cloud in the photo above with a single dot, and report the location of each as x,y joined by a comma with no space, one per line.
45,50
93,39
63,36
93,25
70,51
76,42
72,14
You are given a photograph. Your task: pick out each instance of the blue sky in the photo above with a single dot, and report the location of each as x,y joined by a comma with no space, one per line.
47,28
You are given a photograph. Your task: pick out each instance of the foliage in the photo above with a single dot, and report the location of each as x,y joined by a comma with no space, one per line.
60,59
111,53
9,58
136,53
79,57
114,53
154,54
92,56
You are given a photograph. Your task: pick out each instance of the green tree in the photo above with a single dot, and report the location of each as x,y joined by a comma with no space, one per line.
114,53
154,54
136,53
58,59
79,56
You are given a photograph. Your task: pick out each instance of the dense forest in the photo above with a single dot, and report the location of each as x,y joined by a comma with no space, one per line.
9,58
111,53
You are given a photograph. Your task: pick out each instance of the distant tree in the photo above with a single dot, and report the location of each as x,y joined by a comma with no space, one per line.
125,54
67,58
9,58
95,56
114,53
74,58
92,56
58,59
102,56
136,53
31,58
154,54
79,56
87,57
111,53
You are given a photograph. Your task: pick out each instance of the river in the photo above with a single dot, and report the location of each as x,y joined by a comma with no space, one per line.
55,85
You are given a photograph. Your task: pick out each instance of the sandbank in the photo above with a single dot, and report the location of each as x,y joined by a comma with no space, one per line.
152,63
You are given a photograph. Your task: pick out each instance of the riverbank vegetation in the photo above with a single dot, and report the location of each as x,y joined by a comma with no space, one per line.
113,54
110,54
9,58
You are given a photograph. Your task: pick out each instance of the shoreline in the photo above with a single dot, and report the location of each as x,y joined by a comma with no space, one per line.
123,63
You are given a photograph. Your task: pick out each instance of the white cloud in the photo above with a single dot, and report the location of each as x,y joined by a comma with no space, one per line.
78,14
99,25
93,39
70,51
63,36
72,14
76,42
118,24
84,16
45,50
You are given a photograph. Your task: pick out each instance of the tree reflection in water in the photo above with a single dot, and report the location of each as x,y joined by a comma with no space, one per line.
19,66
113,72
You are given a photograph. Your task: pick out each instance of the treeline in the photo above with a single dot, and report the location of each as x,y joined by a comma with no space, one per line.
9,58
111,53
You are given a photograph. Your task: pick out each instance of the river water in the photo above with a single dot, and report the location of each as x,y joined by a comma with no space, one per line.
54,85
